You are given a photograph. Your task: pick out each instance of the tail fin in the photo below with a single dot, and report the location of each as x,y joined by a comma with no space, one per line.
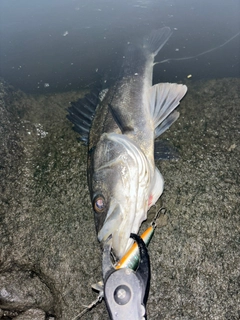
156,40
136,55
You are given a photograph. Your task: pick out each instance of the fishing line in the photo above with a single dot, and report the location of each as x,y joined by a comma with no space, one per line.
88,308
200,54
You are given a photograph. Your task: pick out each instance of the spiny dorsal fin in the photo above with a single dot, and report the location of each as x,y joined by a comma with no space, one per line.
81,113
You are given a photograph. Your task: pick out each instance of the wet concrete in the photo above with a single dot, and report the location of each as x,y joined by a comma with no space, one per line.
49,252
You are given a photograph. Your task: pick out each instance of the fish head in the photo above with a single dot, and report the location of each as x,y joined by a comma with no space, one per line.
120,181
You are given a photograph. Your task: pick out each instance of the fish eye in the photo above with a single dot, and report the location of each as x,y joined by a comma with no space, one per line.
99,204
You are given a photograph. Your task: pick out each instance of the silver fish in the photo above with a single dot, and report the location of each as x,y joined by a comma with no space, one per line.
123,179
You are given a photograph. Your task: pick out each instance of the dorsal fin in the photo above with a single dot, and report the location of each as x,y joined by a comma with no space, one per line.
81,113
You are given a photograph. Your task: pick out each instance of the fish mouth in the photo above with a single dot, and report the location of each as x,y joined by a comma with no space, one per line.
119,228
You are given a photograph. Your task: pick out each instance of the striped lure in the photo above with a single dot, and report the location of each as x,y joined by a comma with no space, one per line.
131,258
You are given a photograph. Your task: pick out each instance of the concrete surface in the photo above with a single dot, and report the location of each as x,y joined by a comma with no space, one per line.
49,255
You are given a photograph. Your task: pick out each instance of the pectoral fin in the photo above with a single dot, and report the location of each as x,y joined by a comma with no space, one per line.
123,125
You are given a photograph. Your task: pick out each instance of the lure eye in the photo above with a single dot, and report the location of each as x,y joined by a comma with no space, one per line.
99,204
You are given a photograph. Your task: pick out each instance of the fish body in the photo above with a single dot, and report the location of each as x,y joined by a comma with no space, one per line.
123,179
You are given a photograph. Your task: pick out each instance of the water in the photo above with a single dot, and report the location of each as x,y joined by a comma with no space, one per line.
62,45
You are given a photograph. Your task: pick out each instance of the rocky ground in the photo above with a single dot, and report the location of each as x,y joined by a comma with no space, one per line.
49,255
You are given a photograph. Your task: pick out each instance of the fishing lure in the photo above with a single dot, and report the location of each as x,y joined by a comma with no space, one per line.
131,258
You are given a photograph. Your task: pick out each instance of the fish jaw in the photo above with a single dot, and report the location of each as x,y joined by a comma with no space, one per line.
120,224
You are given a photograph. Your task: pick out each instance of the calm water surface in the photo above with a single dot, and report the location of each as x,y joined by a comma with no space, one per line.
62,45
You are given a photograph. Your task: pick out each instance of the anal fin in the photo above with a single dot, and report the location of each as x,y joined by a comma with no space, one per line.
163,100
166,123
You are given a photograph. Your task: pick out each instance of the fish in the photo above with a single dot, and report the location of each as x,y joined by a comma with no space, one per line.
120,128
